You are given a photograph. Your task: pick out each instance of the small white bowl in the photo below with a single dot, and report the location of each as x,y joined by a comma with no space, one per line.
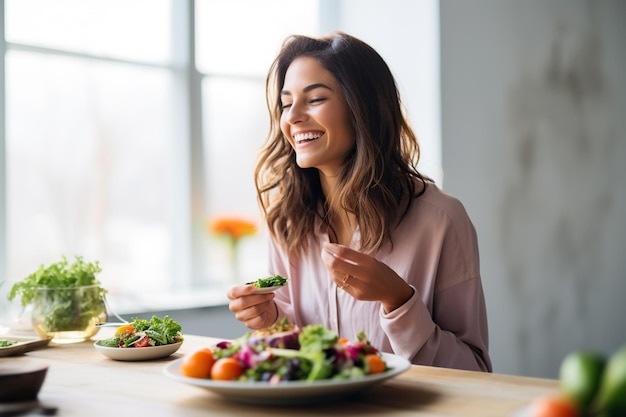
138,354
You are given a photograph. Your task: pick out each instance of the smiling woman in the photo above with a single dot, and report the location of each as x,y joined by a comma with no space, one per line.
368,242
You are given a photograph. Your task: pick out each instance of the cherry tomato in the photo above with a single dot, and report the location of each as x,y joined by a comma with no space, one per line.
198,364
226,369
126,329
143,342
553,406
374,363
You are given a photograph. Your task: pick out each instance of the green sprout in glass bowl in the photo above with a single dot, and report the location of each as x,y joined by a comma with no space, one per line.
67,299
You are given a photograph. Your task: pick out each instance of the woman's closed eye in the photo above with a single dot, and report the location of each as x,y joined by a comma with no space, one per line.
317,100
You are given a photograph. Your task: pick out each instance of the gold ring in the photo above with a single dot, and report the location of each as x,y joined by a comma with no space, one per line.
344,283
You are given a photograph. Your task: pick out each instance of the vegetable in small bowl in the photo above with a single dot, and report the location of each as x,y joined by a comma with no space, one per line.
143,340
67,299
141,333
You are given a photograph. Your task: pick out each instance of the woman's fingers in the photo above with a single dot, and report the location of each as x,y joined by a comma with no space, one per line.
258,316
343,253
237,291
256,311
364,277
347,266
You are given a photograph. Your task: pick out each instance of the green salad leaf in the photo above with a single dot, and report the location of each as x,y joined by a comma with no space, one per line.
60,274
165,331
273,281
153,332
314,340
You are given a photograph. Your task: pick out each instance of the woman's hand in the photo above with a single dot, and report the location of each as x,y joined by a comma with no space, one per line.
256,311
364,277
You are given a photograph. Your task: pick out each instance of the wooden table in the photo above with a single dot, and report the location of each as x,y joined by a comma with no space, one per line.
82,382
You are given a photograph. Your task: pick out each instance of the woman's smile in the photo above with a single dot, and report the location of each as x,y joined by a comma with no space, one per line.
305,140
307,137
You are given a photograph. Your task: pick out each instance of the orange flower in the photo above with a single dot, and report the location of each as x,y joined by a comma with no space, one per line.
233,227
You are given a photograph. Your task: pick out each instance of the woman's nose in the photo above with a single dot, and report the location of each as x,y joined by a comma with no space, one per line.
295,114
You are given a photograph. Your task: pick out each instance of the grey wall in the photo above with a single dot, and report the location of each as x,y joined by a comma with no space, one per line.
534,144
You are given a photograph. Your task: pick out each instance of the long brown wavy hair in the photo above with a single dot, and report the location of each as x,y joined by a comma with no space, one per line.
379,178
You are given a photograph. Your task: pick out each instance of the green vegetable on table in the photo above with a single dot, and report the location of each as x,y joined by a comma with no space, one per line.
59,294
595,383
143,333
273,281
7,343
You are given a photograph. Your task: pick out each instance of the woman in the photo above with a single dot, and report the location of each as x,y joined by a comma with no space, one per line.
368,243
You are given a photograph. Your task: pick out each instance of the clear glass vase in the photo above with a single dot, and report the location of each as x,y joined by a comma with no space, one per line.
68,315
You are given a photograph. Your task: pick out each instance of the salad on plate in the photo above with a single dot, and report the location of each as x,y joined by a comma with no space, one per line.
141,333
284,352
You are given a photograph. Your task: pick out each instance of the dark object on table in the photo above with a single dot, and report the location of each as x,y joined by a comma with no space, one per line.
21,380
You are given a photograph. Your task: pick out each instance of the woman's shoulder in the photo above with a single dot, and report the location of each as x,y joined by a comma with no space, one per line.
442,217
436,200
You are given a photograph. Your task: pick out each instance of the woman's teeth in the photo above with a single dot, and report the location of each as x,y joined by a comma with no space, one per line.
305,137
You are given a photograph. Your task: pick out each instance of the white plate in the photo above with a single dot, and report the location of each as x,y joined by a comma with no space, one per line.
289,392
22,345
138,354
264,290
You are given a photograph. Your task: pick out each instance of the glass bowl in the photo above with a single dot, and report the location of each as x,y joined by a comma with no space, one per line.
68,315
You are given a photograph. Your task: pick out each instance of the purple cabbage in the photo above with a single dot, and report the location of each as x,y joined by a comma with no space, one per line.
286,338
224,344
250,357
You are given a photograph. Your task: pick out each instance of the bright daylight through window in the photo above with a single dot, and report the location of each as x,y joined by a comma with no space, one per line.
126,145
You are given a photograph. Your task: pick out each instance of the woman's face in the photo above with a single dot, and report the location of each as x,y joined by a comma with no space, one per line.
315,117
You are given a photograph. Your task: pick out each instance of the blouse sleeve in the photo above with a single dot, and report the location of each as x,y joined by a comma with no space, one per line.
454,337
445,322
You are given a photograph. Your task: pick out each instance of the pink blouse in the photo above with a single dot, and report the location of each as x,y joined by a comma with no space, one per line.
435,250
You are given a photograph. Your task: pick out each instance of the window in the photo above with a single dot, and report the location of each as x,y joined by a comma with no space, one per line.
119,149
